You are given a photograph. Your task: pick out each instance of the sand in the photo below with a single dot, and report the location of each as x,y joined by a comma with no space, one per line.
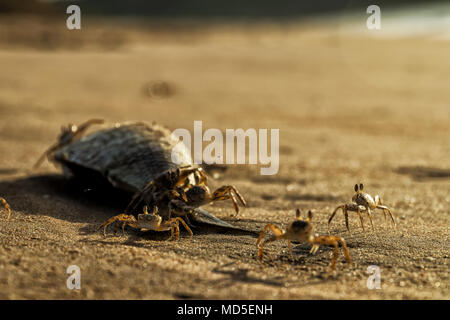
350,109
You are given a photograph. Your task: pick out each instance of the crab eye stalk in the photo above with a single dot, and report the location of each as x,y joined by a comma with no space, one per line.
310,215
297,213
361,186
356,188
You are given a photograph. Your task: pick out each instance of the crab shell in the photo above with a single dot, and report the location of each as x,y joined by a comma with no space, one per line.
128,156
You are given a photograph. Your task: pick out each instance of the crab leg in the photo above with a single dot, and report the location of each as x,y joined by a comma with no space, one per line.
349,207
361,220
185,226
125,218
174,228
225,193
370,218
278,234
6,206
334,241
174,223
389,212
147,190
74,133
344,210
261,248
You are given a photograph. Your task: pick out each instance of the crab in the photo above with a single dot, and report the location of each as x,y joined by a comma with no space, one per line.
177,180
149,221
362,202
136,158
68,134
302,230
6,206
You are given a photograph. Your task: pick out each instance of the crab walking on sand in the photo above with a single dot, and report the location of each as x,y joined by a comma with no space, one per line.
6,206
149,221
136,157
362,202
302,230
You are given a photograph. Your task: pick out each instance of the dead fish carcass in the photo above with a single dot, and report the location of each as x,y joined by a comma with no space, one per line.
137,157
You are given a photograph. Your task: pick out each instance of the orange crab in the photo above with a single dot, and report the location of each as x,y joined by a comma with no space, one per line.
302,230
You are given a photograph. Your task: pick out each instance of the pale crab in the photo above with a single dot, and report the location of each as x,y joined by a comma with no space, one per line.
149,221
6,206
362,202
302,230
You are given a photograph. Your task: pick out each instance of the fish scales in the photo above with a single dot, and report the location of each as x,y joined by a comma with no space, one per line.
129,155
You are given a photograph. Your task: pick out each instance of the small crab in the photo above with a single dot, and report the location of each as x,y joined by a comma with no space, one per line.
149,221
6,206
362,202
158,191
302,230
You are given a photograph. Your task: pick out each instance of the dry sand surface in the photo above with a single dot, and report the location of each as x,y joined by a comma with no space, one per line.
350,109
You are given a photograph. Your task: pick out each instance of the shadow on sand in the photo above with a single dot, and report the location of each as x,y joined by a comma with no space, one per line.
424,173
76,201
46,194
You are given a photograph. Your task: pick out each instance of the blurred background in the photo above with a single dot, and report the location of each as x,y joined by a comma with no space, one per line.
308,68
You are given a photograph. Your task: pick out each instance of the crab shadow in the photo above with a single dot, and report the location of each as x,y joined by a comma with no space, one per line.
234,275
69,199
77,201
